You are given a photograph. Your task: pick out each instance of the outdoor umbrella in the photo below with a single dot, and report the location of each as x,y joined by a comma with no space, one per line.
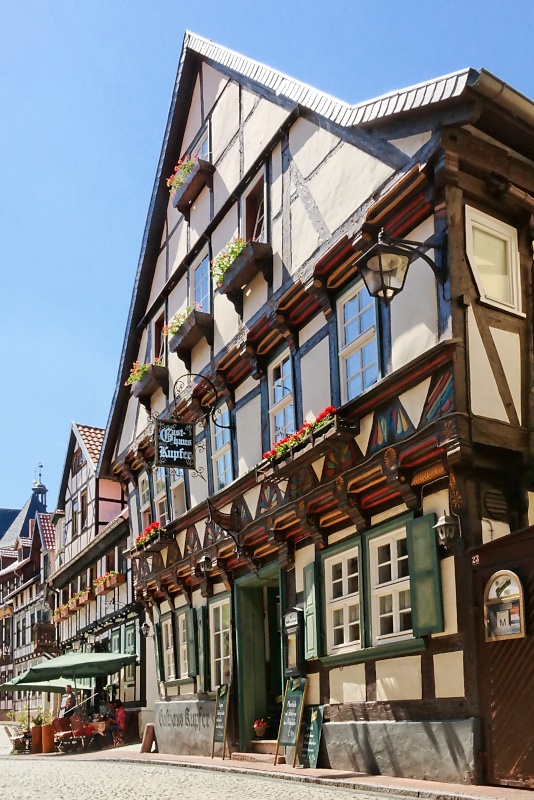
36,686
76,665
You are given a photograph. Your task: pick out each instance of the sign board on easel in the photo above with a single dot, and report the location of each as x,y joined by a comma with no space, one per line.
220,722
312,725
291,719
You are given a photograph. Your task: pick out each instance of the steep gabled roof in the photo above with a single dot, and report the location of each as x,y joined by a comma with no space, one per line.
20,527
90,440
46,531
7,515
467,85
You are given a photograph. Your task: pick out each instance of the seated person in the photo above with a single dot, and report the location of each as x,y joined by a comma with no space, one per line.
117,720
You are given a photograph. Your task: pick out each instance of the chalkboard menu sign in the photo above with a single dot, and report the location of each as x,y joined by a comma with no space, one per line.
288,734
221,717
175,445
312,725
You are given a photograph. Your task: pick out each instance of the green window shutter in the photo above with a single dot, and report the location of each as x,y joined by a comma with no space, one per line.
425,576
311,612
202,664
159,651
191,632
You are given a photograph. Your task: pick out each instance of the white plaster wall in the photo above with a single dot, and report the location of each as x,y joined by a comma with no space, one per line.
226,177
128,428
347,684
413,401
199,215
303,557
254,296
485,398
366,426
437,503
448,588
317,466
315,375
313,327
177,245
248,422
244,388
213,83
225,120
508,346
158,401
313,689
341,535
199,487
414,311
142,419
226,321
335,189
260,128
399,679
248,99
276,182
493,529
225,231
449,674
411,144
173,215
304,237
309,145
200,356
178,296
194,121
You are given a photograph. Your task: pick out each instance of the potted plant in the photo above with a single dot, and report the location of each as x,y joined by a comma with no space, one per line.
100,584
237,264
64,611
260,726
296,441
190,175
186,328
151,537
73,602
114,579
145,379
226,258
37,732
86,596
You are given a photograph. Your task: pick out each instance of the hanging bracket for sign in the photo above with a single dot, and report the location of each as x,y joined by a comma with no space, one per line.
174,444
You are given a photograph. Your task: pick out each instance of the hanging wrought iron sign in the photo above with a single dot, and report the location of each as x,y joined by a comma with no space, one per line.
175,444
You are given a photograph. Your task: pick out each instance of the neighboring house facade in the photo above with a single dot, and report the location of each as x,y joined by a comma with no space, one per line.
424,409
26,629
91,612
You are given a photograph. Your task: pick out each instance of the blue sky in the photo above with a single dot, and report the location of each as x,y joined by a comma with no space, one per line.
85,87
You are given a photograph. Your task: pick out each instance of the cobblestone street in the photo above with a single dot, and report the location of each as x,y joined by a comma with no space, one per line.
64,778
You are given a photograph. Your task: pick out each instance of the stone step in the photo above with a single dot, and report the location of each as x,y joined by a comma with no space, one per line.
266,758
265,746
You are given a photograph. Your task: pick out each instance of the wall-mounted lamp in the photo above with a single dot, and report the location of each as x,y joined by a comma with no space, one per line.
205,565
145,630
449,533
384,265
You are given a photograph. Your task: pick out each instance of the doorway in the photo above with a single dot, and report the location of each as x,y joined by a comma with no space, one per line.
259,656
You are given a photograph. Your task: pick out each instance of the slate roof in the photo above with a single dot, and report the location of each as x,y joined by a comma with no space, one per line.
7,516
48,534
93,439
20,527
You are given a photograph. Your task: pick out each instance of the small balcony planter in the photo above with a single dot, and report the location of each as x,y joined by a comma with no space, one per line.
112,581
100,588
73,604
65,612
197,326
254,258
86,597
57,616
155,377
200,175
153,539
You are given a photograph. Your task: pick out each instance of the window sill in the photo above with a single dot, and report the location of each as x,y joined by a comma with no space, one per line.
180,681
375,653
484,301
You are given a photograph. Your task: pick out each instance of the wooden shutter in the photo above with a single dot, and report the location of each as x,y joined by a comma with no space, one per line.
159,651
311,612
203,650
191,633
425,576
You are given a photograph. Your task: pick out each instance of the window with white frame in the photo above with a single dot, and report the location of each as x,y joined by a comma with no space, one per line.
183,667
167,639
222,449
162,509
391,605
342,589
358,353
493,253
281,407
220,642
75,510
144,500
202,286
177,493
201,146
253,207
130,648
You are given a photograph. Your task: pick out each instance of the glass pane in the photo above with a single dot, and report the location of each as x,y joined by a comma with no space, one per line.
386,604
226,615
491,256
354,623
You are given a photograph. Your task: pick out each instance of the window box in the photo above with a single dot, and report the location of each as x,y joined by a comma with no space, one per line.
159,542
73,604
256,257
100,588
200,176
86,597
65,613
57,616
114,580
197,326
156,377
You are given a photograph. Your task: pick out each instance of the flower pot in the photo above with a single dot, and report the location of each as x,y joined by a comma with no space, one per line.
47,736
187,193
85,598
37,739
254,258
260,731
101,588
115,580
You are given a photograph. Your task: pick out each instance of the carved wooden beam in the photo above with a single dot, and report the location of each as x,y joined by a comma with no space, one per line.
280,321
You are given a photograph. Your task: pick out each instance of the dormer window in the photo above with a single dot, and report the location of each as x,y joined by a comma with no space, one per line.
254,213
78,461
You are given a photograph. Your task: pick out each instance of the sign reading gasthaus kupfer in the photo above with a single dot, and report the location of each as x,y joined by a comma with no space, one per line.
175,444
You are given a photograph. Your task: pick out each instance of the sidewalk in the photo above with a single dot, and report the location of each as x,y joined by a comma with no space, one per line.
381,784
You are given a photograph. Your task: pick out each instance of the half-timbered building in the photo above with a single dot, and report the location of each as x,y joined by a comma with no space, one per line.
359,430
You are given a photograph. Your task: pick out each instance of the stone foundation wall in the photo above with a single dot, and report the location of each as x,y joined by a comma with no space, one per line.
184,727
432,750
